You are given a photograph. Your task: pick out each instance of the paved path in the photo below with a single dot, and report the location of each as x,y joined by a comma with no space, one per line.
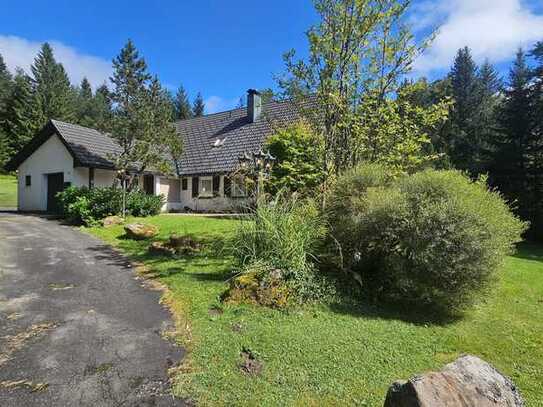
76,328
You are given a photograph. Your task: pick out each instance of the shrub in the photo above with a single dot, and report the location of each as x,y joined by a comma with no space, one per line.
434,238
140,204
281,240
82,205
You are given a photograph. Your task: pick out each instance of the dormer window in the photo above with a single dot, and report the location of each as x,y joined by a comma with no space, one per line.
219,142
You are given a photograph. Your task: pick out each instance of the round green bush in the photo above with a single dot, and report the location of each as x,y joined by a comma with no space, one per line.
82,205
434,238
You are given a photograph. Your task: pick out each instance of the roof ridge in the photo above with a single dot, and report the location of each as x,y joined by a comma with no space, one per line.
269,102
55,122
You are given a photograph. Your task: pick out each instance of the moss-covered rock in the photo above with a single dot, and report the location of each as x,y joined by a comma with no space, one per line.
184,244
258,289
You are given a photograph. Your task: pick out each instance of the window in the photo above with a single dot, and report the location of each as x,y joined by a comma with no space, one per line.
28,180
184,184
238,186
206,187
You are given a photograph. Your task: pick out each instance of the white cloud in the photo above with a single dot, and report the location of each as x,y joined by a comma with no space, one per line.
20,52
493,29
214,104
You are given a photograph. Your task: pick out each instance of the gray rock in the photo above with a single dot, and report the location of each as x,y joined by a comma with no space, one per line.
467,382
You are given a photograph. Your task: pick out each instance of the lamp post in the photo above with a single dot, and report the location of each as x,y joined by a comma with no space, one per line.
259,165
123,176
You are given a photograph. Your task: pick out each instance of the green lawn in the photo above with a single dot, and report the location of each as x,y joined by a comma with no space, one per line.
8,191
324,355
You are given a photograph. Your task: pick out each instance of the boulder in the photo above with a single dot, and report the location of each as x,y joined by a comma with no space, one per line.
112,220
184,244
139,231
467,382
160,248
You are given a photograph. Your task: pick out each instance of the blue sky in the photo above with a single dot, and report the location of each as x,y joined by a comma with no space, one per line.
221,47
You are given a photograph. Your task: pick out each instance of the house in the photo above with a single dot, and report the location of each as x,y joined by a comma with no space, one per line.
65,154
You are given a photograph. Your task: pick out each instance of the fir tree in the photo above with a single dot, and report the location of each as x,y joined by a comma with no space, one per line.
142,115
5,86
85,104
53,94
20,123
485,125
182,105
463,140
198,106
129,78
536,144
5,91
510,170
85,89
103,106
93,110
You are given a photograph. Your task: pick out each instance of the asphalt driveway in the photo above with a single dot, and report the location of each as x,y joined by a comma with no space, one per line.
76,327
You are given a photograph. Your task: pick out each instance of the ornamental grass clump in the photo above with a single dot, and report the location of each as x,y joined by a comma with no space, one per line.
434,239
276,252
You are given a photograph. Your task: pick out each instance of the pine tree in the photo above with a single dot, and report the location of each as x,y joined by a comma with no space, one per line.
93,110
85,114
198,106
510,170
20,124
103,106
130,76
182,105
463,140
536,144
142,121
485,125
5,91
53,94
85,89
5,86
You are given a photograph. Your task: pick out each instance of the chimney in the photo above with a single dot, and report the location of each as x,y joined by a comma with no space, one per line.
254,105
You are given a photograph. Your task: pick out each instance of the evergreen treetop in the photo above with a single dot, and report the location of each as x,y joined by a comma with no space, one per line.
198,107
182,104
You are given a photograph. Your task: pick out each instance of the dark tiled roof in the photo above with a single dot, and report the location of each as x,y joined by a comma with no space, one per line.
90,147
202,153
214,143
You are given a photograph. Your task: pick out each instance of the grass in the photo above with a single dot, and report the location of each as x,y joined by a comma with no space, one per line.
8,191
332,355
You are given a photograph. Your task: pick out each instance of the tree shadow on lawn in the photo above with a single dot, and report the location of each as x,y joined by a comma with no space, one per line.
529,251
420,316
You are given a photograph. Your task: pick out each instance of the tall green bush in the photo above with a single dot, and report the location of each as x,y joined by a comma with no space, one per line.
434,238
283,236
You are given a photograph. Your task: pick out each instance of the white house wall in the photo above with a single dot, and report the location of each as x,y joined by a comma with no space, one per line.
103,178
219,203
51,157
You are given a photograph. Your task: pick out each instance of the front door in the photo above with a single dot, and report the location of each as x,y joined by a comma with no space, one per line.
149,184
55,184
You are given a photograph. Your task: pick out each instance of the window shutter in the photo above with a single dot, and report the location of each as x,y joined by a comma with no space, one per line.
216,184
227,186
195,185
